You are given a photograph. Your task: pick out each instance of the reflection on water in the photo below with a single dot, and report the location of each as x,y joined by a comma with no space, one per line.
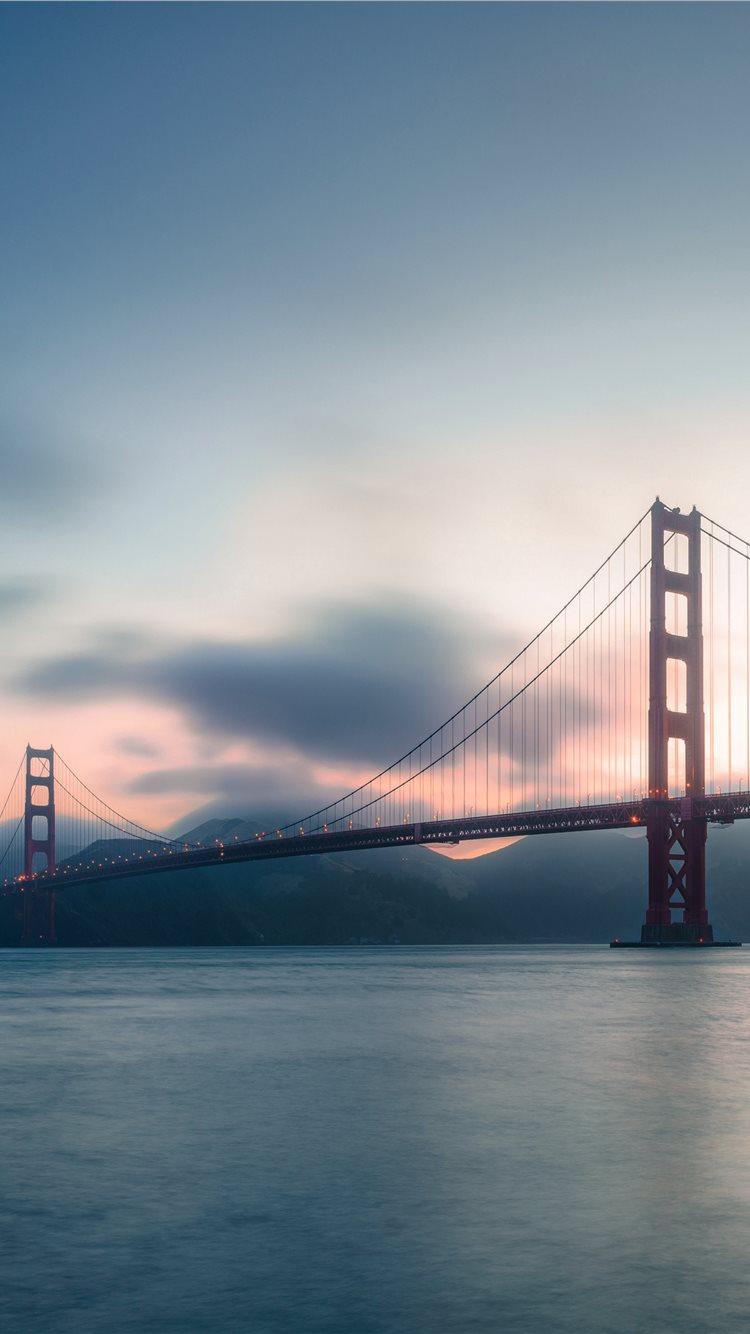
299,1141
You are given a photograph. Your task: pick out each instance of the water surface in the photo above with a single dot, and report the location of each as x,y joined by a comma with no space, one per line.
374,1141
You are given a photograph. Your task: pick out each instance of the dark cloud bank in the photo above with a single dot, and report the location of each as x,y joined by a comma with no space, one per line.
361,685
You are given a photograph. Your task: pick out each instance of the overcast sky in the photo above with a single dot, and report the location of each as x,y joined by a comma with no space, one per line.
338,344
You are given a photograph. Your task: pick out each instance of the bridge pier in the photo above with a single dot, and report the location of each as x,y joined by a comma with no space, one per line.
677,877
39,917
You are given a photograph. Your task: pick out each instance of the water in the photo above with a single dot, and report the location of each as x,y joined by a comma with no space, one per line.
374,1142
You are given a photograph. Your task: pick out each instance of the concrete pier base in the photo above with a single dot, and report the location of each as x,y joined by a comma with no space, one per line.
674,935
673,944
677,933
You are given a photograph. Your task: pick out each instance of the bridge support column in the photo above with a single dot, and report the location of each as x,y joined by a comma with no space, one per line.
39,903
676,838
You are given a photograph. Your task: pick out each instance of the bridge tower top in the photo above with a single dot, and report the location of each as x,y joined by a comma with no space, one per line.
666,724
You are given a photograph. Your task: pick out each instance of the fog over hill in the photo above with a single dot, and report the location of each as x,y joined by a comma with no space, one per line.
566,887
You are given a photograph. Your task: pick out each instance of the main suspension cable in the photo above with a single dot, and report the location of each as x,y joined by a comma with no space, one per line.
456,746
120,819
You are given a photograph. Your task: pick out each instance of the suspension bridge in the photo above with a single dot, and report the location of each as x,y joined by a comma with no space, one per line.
629,708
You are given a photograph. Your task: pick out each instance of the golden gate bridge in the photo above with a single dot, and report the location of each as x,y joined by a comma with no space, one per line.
629,708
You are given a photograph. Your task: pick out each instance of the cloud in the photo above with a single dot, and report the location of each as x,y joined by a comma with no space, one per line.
43,473
288,724
135,745
202,780
276,791
358,684
18,595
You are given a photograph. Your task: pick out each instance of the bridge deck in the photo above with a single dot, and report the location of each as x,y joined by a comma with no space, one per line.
723,809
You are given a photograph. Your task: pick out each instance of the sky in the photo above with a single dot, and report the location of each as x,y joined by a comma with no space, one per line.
338,345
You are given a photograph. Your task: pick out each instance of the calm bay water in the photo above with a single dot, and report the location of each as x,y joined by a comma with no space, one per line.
375,1142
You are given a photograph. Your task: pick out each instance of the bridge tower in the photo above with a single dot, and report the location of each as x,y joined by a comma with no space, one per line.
676,841
39,903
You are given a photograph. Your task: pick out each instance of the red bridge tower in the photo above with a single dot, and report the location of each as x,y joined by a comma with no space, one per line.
676,843
39,837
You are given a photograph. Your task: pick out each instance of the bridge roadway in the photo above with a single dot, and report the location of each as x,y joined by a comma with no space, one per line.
722,808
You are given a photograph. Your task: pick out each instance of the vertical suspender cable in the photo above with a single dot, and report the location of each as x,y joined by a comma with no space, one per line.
711,666
747,666
729,668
